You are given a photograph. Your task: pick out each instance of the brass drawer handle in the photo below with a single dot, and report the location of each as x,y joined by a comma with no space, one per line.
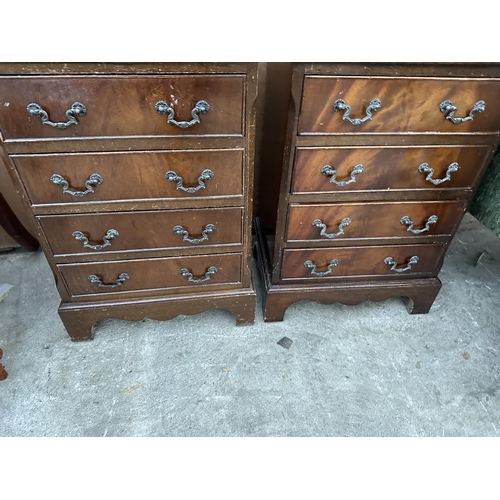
447,107
209,228
319,224
206,175
310,265
77,109
211,270
110,235
328,170
391,262
425,169
408,222
202,107
119,281
93,180
340,105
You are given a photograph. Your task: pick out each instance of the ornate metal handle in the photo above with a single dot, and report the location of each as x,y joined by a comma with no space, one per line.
309,264
447,107
206,175
201,107
328,170
391,262
425,169
320,224
408,222
77,109
110,235
93,180
211,270
340,105
119,281
209,228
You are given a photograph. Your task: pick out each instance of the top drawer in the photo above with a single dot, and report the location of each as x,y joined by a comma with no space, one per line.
121,106
406,105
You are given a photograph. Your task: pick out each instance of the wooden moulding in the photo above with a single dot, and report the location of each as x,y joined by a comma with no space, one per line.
80,319
419,294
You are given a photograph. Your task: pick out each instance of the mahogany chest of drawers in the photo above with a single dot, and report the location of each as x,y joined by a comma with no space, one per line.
140,181
379,164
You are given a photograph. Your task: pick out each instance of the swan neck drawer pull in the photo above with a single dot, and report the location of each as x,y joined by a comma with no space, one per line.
206,175
110,235
312,267
77,109
185,272
319,224
209,228
447,107
202,107
424,168
341,105
93,180
119,281
408,222
328,170
391,262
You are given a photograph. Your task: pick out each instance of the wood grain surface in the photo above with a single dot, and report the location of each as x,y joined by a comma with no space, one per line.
131,175
121,105
151,274
386,168
372,220
142,230
357,262
408,104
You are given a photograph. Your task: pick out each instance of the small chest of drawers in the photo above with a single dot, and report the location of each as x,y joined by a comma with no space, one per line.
140,180
379,164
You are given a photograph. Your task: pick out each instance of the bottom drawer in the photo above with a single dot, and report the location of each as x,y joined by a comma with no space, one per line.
377,261
198,271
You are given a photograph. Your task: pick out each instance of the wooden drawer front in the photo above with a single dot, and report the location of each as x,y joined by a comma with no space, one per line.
373,220
142,230
407,105
151,274
385,168
129,176
121,106
362,261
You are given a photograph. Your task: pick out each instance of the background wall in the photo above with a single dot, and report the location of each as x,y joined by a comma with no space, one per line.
485,205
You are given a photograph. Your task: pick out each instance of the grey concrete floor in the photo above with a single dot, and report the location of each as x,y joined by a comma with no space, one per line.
366,370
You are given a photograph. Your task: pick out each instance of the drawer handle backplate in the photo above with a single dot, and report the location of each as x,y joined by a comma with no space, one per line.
209,228
119,281
201,108
93,180
185,272
110,235
320,224
310,265
408,222
206,175
328,170
425,169
447,107
77,109
341,105
391,262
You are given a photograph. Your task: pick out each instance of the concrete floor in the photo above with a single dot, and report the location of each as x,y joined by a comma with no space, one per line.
367,370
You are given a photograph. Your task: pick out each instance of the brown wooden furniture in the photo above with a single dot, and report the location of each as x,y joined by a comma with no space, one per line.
140,180
3,371
13,227
379,164
16,227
